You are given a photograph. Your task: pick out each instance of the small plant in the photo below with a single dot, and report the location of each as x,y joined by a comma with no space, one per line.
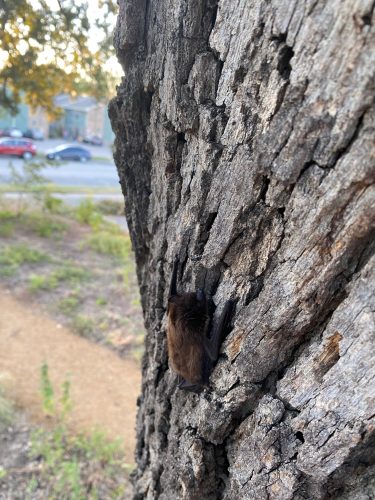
48,397
86,213
71,274
38,283
6,411
52,204
101,301
110,207
117,245
11,257
68,305
27,178
6,229
46,227
74,467
20,254
67,273
83,325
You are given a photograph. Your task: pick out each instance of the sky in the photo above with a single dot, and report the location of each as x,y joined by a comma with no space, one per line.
94,13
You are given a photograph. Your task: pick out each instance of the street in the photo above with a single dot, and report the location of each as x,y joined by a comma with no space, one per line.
100,172
91,174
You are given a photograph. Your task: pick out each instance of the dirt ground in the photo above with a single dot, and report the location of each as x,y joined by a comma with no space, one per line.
80,280
104,387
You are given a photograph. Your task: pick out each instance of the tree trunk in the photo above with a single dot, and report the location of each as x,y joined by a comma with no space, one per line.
245,144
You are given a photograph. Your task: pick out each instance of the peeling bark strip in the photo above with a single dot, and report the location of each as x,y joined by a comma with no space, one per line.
245,143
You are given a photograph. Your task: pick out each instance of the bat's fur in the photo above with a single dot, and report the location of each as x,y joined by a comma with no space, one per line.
188,320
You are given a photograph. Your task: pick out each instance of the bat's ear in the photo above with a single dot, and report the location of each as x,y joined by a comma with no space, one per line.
172,299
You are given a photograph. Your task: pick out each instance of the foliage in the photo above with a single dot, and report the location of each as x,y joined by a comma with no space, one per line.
46,227
73,467
52,204
6,411
110,207
86,213
11,257
68,305
82,325
101,301
44,51
47,391
105,242
6,229
50,406
67,273
26,177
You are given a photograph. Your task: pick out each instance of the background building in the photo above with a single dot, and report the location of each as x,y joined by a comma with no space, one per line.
81,117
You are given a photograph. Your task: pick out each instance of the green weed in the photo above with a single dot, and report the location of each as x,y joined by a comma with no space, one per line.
101,301
82,325
73,467
47,391
68,305
6,215
52,204
7,271
6,229
71,274
110,207
6,411
21,254
46,228
68,273
28,177
11,257
38,283
117,245
86,213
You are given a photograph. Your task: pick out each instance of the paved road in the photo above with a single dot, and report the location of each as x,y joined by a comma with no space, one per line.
94,174
96,151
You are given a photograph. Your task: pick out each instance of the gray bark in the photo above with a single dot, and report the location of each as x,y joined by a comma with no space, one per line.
245,144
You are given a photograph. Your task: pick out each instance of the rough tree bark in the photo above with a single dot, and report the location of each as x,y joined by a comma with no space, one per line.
245,144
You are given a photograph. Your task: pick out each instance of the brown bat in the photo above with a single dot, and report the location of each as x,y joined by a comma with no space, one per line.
192,351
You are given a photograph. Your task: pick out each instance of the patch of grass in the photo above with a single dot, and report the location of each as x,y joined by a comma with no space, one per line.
41,224
37,283
74,467
69,305
21,254
6,229
71,274
101,301
6,215
52,204
78,467
7,271
68,273
6,411
86,213
46,227
110,207
83,325
13,256
105,242
103,159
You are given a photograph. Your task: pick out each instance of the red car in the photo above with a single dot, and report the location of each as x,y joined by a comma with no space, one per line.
18,147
